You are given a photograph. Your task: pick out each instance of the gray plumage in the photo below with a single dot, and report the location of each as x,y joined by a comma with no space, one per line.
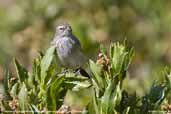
68,47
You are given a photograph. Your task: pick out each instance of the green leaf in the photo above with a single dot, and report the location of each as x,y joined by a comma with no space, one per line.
93,107
22,73
31,82
36,69
106,98
80,85
34,109
97,75
167,73
4,106
130,57
126,111
6,82
116,95
120,57
53,92
14,90
76,82
117,55
111,97
23,98
50,73
73,77
46,62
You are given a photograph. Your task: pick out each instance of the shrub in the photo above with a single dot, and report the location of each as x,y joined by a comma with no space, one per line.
43,90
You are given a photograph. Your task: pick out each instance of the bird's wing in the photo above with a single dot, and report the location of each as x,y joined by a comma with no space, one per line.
75,41
77,47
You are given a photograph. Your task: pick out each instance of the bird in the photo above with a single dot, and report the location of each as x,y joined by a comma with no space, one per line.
68,48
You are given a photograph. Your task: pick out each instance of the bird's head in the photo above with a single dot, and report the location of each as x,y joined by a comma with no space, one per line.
63,29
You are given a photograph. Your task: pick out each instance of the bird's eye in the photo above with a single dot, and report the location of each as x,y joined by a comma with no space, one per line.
61,28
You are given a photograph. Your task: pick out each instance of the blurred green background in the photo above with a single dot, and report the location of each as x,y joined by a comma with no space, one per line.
28,26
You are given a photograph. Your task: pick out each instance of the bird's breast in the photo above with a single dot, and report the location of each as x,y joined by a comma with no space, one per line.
64,47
